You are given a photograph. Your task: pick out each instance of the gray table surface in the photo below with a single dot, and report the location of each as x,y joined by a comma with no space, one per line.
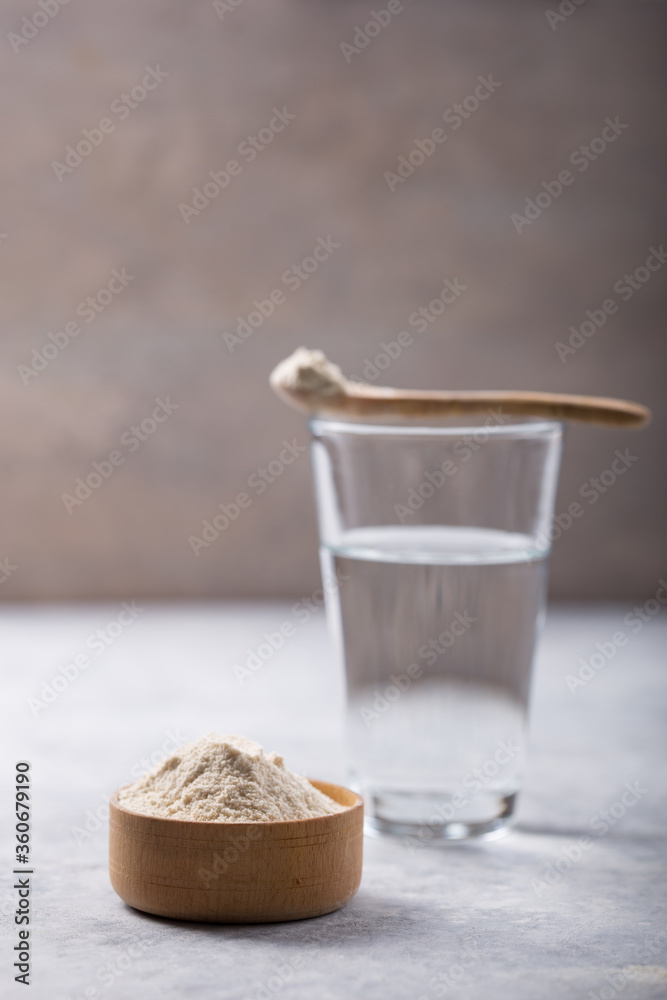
466,921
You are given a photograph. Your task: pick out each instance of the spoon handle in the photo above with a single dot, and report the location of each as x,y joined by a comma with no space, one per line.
372,401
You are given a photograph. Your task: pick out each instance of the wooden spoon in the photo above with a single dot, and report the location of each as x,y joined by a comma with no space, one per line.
308,381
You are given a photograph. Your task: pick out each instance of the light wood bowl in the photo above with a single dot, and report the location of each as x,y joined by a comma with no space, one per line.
237,873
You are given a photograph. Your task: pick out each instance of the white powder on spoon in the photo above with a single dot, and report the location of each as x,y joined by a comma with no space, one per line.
226,779
310,372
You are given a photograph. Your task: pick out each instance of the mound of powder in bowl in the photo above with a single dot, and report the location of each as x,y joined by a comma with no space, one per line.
226,779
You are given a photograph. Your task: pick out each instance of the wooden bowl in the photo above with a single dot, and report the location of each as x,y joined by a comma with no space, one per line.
238,873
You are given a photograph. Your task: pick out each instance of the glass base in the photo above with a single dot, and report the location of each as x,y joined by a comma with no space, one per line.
424,819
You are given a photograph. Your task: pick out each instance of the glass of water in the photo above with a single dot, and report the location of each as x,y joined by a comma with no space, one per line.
434,548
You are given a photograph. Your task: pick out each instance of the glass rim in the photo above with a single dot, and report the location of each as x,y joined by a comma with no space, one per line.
512,427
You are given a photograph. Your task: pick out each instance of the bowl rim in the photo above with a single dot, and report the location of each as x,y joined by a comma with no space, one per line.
357,804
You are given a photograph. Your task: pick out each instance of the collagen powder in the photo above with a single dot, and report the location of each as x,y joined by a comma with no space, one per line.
226,779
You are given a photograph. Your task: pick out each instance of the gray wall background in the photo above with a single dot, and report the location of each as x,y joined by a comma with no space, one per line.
163,335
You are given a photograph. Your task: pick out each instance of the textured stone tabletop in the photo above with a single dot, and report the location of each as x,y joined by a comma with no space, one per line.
534,915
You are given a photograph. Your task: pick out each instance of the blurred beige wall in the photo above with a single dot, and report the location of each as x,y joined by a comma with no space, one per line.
320,175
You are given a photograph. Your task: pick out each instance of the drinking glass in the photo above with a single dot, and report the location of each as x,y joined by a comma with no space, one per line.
434,550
